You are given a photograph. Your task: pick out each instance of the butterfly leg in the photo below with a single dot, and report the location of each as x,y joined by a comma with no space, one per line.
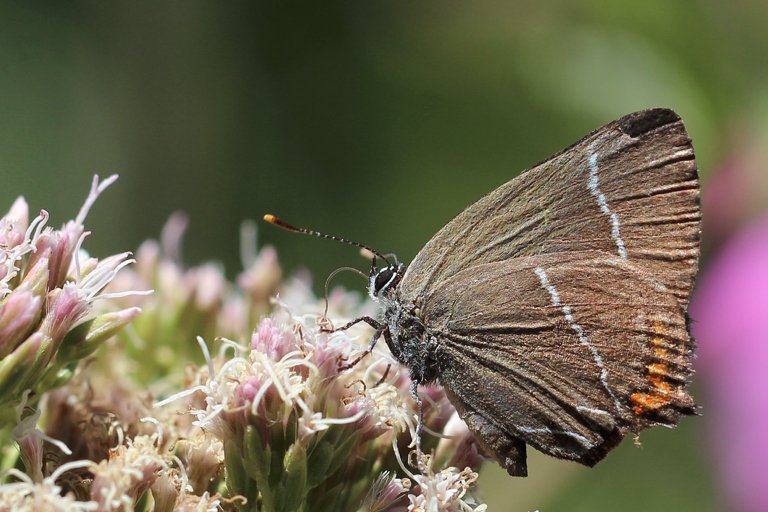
380,327
419,425
370,321
383,377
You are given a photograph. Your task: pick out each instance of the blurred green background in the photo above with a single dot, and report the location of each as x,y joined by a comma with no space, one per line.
375,121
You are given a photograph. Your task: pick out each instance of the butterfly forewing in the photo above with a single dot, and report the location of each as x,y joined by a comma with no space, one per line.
629,188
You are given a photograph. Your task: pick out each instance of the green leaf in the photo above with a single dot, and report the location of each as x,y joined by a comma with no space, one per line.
295,477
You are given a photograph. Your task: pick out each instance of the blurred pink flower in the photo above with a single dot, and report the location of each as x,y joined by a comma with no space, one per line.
730,313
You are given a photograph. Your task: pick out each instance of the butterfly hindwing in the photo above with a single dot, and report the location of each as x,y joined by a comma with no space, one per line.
544,349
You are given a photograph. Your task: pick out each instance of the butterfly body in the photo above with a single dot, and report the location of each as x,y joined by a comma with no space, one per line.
405,330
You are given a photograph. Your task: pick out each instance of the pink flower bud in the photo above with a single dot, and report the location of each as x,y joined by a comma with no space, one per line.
66,306
270,340
59,248
17,315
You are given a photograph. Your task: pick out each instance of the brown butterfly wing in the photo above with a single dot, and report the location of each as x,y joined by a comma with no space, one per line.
630,189
565,352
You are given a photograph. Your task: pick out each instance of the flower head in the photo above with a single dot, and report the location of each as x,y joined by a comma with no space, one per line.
443,491
45,296
284,398
26,495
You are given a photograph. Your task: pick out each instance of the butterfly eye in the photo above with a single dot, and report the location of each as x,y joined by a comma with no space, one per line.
383,277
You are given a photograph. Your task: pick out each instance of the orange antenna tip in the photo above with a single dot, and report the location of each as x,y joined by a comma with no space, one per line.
281,223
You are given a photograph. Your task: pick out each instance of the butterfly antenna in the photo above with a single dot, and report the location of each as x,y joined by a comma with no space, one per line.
281,223
328,281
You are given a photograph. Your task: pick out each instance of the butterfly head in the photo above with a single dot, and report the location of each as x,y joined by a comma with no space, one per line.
382,282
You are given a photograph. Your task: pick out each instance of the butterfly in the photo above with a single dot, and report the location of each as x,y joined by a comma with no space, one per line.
553,310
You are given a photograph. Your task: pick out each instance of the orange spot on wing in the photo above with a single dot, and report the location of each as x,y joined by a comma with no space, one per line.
646,402
659,396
